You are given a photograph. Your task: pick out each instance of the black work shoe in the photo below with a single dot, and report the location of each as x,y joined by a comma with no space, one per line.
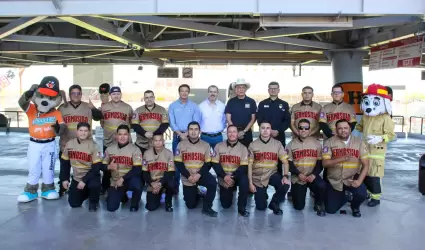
210,212
169,208
134,209
373,203
320,210
356,213
103,191
124,199
275,208
243,213
92,207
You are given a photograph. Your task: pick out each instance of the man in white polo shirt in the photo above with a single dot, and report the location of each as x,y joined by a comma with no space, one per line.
213,120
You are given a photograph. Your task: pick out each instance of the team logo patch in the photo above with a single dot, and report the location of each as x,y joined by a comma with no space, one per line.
322,114
280,106
50,84
177,152
144,163
213,153
247,105
325,149
134,116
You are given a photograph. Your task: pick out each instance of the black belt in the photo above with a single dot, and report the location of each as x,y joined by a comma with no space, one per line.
41,141
212,135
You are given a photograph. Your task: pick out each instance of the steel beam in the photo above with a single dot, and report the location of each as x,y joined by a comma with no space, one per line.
16,47
105,29
390,35
155,33
19,24
62,40
357,24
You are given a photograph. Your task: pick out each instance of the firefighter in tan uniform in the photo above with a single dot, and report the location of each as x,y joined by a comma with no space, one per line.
306,109
83,155
336,110
346,158
73,112
230,162
305,164
158,173
192,158
148,120
115,113
378,130
124,160
263,156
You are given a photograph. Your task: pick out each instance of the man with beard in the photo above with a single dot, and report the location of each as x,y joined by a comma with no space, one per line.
346,158
264,154
115,113
192,158
230,162
74,112
83,155
124,160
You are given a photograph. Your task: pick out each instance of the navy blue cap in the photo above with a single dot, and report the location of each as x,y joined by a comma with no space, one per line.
115,89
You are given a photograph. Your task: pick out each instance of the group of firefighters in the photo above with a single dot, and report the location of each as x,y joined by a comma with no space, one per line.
239,161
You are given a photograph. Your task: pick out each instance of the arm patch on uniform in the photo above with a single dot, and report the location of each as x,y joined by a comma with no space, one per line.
213,153
325,149
322,114
177,152
144,163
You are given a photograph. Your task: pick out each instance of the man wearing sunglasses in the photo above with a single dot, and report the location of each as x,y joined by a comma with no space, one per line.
74,112
305,163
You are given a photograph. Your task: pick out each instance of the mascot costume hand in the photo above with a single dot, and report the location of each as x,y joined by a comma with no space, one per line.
378,129
44,124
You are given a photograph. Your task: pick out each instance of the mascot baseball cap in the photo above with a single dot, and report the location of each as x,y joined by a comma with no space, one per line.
115,89
104,88
49,86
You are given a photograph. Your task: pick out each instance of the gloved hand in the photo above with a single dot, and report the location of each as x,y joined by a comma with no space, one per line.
29,94
56,126
374,139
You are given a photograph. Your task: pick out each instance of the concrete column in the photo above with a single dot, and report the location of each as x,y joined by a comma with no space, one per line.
347,71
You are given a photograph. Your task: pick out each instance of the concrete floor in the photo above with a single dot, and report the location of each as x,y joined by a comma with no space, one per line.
396,224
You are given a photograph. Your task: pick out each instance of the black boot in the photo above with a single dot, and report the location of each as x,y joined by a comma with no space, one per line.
320,210
356,212
168,207
275,208
62,190
92,207
373,203
243,212
209,211
134,209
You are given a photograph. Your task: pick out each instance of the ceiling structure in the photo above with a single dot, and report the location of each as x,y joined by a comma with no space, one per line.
74,32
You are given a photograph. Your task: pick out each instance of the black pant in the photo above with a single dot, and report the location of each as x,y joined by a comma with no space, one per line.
61,170
373,185
247,139
190,193
226,194
279,196
318,187
106,178
76,196
115,195
153,201
336,199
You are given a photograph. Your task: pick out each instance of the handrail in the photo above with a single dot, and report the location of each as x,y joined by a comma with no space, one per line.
416,117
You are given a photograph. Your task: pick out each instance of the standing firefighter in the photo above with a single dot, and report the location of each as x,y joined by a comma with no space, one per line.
378,129
158,173
230,162
83,155
264,154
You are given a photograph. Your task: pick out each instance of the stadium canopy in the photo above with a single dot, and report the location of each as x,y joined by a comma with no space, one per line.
160,32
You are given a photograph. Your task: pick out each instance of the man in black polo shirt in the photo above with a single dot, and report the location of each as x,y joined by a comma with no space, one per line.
276,111
240,111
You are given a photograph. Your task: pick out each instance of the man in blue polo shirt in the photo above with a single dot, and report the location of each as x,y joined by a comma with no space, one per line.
181,113
240,111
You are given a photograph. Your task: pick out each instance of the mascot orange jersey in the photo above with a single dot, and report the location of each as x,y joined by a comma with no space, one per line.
40,125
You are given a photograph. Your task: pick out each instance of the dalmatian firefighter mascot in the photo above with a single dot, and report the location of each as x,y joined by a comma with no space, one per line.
44,124
378,129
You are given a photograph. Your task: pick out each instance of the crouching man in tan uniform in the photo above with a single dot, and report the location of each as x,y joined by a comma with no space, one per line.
158,173
343,156
83,155
263,156
230,162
